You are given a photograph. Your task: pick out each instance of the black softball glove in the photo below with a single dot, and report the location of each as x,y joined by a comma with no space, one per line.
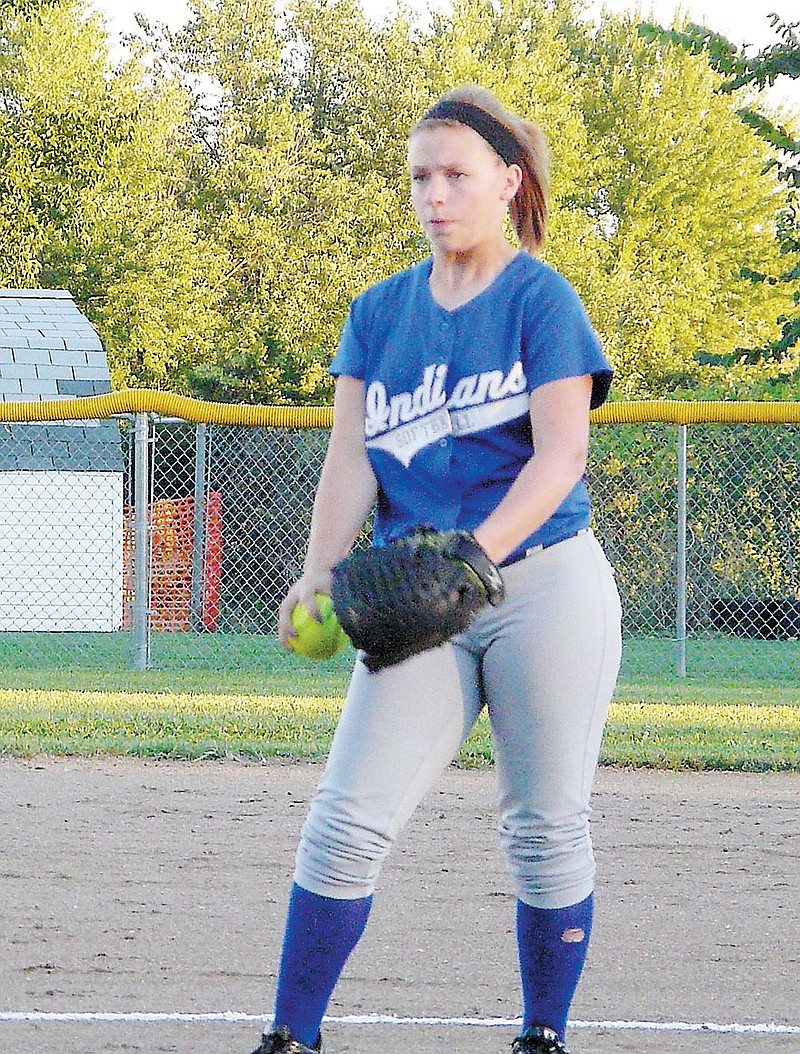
415,594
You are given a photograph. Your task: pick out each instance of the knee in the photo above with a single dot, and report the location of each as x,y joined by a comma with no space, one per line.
551,865
341,852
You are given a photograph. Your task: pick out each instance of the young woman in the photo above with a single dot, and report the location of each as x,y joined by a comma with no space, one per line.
462,400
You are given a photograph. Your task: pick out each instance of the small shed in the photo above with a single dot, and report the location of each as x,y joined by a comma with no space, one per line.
61,483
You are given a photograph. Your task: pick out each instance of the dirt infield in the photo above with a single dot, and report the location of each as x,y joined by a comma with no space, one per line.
131,887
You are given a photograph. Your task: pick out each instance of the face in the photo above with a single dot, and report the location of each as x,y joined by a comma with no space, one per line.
460,188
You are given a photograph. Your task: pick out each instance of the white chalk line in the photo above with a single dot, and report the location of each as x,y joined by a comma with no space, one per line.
234,1016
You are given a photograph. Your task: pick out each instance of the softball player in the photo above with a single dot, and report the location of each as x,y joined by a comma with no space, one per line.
462,401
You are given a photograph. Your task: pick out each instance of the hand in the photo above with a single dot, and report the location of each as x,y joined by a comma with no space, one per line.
302,592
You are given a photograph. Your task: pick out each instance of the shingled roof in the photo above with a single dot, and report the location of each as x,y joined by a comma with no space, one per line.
50,350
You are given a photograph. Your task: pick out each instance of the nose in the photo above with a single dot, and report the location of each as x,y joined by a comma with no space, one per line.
436,190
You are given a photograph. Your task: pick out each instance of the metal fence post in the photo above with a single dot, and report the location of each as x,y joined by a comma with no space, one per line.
141,599
680,590
198,532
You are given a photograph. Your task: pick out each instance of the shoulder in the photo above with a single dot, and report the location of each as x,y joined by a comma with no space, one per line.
376,315
540,279
397,288
545,296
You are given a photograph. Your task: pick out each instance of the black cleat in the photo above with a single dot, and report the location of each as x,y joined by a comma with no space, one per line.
281,1042
538,1040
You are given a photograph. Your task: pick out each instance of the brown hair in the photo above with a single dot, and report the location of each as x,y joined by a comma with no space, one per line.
529,208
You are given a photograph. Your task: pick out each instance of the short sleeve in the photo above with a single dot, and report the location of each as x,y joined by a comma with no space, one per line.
350,357
560,341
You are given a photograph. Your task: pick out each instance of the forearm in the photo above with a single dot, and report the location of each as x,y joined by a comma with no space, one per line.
535,495
345,496
560,426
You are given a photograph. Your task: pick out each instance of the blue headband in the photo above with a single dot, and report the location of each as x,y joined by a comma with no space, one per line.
494,132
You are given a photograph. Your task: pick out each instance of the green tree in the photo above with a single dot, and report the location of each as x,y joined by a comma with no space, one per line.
93,162
43,88
216,201
298,181
301,185
686,195
740,70
657,187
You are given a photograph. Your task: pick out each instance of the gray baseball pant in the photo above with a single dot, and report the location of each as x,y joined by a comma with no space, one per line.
544,664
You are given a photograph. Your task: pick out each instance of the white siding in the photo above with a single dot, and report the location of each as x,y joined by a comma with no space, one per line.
61,564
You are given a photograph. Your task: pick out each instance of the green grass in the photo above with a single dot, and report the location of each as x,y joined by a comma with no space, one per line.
747,737
165,724
250,699
750,737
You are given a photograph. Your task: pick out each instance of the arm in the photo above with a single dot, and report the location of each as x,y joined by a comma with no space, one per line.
560,421
345,496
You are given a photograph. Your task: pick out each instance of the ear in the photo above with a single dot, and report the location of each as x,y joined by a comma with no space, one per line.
513,183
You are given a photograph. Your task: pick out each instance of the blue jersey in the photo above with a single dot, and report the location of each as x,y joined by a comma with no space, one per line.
447,413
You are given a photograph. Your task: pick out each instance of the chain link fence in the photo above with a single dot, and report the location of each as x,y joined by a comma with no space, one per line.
172,544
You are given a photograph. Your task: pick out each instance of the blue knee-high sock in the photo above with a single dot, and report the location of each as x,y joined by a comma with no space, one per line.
552,945
320,934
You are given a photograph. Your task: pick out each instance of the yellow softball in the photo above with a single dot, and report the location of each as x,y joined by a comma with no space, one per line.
313,639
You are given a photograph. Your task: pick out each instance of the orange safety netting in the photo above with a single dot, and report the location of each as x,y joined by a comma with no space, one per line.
172,556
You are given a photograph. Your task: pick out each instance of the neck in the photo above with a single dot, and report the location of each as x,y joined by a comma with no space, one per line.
457,278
